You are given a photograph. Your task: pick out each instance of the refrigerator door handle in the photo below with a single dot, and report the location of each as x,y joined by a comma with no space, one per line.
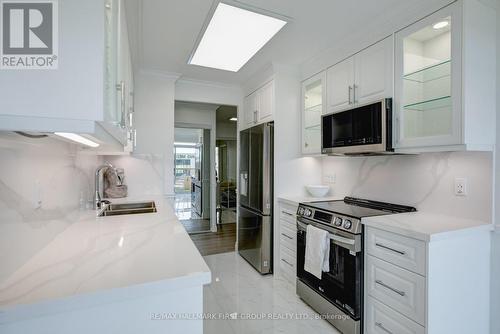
244,183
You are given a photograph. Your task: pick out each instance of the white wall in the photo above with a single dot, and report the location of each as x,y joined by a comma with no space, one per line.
32,170
425,181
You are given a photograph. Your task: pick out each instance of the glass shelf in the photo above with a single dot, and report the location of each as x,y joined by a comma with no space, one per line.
315,108
430,73
316,127
440,102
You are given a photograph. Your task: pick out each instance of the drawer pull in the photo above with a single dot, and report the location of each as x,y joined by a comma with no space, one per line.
291,265
399,292
381,326
287,236
391,249
287,213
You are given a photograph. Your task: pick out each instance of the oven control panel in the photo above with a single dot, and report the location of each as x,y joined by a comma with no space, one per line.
339,221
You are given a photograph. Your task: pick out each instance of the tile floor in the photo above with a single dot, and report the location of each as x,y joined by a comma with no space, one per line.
237,287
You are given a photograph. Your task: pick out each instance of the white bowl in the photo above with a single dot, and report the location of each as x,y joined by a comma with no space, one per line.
317,190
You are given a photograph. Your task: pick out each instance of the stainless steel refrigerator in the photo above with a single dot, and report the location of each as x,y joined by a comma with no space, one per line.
255,220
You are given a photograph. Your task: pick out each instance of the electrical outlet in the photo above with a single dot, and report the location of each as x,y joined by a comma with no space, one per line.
329,178
460,187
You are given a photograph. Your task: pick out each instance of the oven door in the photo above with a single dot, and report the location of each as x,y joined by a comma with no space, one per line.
343,283
364,129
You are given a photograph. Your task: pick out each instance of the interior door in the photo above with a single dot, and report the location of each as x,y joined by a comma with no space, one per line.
373,71
340,81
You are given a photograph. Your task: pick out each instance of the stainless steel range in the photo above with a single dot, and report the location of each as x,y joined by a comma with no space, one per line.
338,295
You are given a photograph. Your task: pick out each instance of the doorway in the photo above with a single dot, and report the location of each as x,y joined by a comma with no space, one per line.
192,178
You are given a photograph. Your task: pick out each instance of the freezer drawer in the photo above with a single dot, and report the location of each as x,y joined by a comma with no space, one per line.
255,239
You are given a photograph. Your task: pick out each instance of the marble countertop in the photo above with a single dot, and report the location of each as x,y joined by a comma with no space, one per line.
426,226
105,259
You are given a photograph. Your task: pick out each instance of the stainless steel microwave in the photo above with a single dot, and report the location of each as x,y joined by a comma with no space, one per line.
365,129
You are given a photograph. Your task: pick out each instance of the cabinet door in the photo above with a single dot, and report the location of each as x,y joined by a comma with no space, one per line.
428,81
340,85
373,71
313,106
250,110
266,102
112,51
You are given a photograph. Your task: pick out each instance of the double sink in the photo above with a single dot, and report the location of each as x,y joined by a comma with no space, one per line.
127,209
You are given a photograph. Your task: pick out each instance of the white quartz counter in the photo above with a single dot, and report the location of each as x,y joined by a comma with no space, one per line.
426,226
105,259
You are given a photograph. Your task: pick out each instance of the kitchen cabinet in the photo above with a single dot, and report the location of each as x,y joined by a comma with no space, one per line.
81,95
361,78
287,241
419,286
435,108
259,106
313,106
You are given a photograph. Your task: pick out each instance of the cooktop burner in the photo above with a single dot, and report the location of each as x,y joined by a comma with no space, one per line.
346,214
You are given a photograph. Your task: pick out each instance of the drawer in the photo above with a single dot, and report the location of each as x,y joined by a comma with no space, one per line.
397,288
288,224
288,213
381,319
288,264
288,238
405,252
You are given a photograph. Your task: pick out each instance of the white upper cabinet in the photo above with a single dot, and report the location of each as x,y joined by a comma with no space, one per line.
80,95
259,106
340,85
444,80
313,106
362,78
374,72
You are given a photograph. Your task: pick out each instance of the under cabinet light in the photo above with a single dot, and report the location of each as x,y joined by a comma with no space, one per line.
233,36
77,138
233,119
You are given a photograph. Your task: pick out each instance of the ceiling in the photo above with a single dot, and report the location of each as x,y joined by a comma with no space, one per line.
163,32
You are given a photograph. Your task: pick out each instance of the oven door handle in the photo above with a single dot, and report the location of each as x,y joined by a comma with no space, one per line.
343,240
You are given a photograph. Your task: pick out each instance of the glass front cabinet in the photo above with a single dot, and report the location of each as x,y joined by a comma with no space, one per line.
441,102
428,81
313,106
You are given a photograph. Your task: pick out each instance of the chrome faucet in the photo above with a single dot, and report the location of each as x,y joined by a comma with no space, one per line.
97,196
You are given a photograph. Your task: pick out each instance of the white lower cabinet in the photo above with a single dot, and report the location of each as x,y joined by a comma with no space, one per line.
428,285
286,241
382,319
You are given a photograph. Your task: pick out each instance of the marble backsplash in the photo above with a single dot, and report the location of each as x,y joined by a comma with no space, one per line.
43,183
425,181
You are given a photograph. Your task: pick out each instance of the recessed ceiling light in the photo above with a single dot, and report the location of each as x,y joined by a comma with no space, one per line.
440,25
233,36
77,138
233,119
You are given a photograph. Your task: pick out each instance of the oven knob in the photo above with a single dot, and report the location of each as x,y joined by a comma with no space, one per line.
338,221
308,212
301,210
347,224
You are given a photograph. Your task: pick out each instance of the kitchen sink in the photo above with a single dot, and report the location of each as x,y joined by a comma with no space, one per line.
128,209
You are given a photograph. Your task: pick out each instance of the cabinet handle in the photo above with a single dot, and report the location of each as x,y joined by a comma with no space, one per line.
287,236
354,94
121,87
381,326
391,249
349,90
255,116
291,265
287,213
399,292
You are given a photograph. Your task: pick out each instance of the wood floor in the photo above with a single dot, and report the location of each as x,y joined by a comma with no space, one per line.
196,225
222,241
